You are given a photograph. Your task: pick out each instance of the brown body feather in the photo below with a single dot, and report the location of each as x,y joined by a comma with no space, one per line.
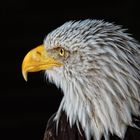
65,132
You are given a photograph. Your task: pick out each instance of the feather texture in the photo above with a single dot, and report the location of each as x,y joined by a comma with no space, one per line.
100,79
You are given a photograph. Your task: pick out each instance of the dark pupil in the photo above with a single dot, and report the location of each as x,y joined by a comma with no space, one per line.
61,51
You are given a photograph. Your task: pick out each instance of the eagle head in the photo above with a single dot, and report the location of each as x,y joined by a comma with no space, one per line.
97,66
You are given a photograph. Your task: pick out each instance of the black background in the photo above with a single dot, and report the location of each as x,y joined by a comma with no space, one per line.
25,107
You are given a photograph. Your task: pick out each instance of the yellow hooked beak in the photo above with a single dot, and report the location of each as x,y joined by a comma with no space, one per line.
36,60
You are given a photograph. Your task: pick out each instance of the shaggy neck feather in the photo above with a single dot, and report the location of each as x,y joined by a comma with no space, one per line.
97,114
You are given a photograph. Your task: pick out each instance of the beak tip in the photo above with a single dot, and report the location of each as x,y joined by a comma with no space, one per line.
25,76
26,79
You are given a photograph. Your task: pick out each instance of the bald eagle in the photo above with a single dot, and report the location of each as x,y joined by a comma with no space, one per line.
97,66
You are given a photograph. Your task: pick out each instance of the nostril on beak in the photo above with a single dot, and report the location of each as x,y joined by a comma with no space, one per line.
38,52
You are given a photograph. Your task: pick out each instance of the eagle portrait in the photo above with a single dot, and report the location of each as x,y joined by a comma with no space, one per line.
96,64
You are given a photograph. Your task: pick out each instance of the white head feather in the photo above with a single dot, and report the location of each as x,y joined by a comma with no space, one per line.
100,79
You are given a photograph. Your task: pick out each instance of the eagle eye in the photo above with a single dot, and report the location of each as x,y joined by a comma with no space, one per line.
61,52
